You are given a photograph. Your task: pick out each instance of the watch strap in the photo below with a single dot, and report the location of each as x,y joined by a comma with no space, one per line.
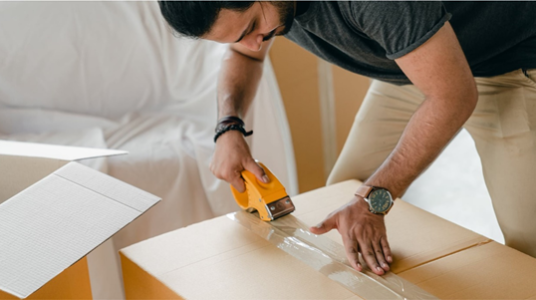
363,191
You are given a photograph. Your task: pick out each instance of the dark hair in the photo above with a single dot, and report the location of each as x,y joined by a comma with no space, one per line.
195,18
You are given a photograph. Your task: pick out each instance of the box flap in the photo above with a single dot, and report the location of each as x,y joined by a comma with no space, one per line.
57,221
20,172
415,236
67,153
486,271
221,259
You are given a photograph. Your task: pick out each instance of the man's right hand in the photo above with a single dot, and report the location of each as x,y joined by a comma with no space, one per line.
231,157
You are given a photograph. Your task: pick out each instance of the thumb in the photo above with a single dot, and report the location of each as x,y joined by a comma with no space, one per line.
252,166
324,226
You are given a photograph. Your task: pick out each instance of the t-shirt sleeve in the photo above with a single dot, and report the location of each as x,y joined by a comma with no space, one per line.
399,27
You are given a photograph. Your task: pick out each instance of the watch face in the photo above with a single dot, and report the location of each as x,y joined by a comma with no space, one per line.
380,200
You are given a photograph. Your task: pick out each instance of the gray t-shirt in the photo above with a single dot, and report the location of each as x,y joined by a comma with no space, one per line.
366,37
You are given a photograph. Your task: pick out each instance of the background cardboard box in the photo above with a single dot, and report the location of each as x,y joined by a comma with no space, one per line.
73,283
57,212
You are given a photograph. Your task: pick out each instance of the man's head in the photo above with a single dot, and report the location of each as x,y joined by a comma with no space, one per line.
246,22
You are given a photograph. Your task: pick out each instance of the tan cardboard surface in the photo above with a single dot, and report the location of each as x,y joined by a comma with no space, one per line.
487,271
222,259
415,236
73,283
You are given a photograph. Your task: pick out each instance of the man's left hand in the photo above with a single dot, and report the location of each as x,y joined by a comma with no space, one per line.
362,232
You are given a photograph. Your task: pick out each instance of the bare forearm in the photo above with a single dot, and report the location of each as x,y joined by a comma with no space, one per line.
237,83
432,126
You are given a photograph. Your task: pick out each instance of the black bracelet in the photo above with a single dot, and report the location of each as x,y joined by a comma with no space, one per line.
223,129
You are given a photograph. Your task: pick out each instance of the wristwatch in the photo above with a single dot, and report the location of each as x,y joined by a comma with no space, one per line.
379,199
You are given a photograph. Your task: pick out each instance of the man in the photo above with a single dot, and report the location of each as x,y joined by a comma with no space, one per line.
437,67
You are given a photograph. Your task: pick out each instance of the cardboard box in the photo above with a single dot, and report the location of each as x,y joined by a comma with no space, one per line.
54,212
221,259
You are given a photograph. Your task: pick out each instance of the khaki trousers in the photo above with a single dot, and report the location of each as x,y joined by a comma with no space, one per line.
503,127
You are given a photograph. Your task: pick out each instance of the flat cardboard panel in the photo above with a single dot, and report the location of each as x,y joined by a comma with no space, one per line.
113,188
486,271
73,283
415,236
53,151
20,172
57,221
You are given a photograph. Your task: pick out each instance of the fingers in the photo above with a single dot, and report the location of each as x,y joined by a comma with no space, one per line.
367,251
254,168
386,249
325,226
352,253
234,178
362,232
237,182
380,257
230,157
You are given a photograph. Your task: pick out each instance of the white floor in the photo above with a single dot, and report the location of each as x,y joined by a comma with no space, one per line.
453,188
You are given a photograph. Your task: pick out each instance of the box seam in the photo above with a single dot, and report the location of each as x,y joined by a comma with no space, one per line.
448,254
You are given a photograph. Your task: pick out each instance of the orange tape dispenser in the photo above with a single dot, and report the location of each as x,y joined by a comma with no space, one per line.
270,200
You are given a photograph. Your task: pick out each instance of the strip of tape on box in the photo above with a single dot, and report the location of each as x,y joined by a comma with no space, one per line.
328,257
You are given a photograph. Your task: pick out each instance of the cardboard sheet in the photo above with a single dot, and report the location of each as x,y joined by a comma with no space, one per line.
54,151
58,220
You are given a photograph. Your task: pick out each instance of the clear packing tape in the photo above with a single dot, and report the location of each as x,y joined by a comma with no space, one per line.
328,257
